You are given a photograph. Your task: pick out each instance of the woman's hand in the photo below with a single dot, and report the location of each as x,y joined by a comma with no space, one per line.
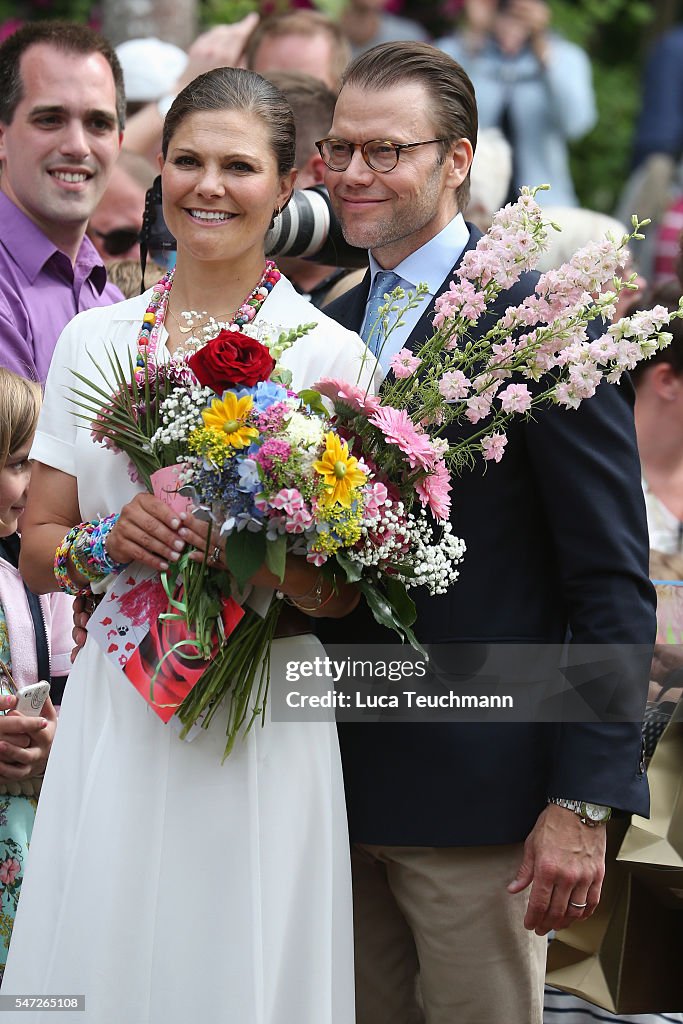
25,742
306,587
195,532
146,531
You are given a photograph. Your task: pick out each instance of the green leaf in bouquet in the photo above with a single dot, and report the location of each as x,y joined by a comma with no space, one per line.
353,570
210,604
313,400
287,338
276,556
245,553
240,672
400,600
384,613
281,375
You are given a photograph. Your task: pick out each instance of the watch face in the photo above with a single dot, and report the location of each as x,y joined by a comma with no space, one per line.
595,812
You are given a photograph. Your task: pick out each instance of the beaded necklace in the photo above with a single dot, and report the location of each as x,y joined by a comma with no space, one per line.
155,314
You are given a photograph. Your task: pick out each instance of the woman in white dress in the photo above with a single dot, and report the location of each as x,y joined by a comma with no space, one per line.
164,886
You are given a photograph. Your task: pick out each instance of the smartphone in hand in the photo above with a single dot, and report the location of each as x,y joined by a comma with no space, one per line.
30,699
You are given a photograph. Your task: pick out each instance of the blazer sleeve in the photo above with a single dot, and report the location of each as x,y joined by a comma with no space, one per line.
586,465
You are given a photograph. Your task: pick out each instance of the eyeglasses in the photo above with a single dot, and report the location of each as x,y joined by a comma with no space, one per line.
379,155
118,241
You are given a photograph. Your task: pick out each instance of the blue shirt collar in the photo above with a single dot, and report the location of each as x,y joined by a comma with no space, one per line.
433,261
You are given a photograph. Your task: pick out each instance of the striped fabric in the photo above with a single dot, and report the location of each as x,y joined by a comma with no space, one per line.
563,1008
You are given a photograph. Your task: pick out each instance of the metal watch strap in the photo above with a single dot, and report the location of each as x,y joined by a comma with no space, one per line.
576,806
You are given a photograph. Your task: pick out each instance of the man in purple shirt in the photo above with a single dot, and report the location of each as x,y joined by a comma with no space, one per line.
62,109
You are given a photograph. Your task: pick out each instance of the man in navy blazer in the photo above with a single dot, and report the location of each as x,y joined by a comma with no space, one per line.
450,823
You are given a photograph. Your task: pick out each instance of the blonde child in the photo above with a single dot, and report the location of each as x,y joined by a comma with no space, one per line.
35,643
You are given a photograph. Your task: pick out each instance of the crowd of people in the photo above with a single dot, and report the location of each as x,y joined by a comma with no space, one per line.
161,884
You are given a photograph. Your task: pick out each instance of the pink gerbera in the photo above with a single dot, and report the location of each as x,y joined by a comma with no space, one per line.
435,490
356,398
399,429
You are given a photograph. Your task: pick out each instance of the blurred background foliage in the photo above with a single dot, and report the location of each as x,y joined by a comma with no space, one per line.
615,33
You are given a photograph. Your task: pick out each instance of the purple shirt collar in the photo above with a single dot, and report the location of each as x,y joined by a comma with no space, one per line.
31,250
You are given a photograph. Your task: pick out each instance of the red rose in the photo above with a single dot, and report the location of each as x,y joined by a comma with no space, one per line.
231,359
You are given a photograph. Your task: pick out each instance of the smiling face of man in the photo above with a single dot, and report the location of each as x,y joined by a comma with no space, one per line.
59,149
395,212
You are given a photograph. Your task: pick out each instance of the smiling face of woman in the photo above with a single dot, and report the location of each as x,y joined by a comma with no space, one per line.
221,185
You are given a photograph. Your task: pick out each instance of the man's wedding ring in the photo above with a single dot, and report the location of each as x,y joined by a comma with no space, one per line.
579,906
215,555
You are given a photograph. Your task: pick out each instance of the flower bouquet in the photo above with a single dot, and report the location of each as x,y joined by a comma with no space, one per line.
362,488
268,467
545,351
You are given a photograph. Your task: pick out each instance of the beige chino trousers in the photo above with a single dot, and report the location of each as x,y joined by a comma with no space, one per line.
439,940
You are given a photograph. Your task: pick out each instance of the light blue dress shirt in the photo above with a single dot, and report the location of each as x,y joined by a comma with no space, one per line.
430,264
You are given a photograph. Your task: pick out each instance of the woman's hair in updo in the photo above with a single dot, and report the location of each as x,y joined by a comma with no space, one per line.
236,89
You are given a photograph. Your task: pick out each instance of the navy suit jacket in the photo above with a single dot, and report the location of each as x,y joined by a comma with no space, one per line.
557,546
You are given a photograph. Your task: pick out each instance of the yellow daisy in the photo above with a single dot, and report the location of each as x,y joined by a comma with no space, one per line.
339,471
227,416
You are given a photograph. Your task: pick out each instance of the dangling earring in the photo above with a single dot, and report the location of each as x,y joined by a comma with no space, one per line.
276,213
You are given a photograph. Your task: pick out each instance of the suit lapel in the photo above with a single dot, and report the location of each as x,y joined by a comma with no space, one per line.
349,309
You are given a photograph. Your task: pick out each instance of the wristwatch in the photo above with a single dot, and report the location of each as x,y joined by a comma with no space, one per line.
588,814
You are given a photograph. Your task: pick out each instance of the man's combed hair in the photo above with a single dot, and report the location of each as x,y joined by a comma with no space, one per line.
453,105
236,89
63,36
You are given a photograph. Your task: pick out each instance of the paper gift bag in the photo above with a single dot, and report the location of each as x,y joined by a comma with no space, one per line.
626,957
653,848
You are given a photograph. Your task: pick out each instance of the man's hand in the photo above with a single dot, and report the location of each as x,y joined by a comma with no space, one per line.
25,742
564,862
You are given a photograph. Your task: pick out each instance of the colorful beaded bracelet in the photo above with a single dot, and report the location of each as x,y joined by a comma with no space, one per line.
85,545
93,554
61,564
79,553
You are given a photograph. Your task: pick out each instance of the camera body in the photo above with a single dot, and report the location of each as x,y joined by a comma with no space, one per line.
156,241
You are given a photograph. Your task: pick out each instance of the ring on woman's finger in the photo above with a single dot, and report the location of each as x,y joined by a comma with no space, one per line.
579,906
215,555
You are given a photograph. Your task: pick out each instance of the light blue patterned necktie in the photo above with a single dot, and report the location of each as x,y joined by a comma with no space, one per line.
384,283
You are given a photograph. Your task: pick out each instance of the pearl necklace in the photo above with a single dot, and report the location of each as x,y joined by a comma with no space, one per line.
155,314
